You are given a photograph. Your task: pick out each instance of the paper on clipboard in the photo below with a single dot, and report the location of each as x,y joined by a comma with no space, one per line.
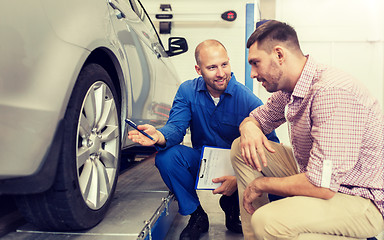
215,162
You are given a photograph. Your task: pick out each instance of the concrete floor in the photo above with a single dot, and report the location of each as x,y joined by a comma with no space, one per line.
217,229
139,193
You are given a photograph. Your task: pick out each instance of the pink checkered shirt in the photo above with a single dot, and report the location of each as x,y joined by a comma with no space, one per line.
336,129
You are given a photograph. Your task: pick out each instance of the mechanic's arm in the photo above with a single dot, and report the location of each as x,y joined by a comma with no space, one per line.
295,185
252,140
174,130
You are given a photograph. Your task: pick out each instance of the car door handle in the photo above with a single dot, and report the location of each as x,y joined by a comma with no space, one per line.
115,6
158,55
156,51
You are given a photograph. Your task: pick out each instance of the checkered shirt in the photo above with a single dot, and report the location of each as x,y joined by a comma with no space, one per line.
336,129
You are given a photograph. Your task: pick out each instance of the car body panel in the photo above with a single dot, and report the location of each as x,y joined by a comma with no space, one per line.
30,105
44,46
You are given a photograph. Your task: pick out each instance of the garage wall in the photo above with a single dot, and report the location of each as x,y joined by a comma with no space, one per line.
199,20
347,34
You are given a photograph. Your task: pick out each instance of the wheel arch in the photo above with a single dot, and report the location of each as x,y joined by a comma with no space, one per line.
108,60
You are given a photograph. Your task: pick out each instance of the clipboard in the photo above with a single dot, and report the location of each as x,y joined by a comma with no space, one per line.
215,162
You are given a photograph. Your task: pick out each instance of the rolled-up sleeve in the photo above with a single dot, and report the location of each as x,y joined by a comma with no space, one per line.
271,115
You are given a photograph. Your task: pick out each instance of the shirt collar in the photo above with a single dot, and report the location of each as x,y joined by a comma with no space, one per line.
229,90
306,78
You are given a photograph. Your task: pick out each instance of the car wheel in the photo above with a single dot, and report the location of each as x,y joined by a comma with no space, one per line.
89,160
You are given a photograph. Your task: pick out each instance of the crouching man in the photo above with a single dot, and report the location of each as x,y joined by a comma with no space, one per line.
333,177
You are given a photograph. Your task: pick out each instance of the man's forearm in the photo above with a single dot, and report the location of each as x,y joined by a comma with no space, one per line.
296,185
248,120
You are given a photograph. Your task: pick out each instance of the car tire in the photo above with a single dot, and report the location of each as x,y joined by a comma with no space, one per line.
89,159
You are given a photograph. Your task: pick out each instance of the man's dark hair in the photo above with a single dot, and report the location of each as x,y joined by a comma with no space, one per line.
272,33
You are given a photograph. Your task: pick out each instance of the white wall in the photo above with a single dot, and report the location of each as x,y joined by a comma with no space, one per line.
200,20
347,34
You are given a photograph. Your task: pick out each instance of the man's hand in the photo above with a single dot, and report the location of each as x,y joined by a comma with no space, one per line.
137,137
250,194
228,186
253,141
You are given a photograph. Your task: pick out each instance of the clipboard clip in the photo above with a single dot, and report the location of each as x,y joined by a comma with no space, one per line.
203,167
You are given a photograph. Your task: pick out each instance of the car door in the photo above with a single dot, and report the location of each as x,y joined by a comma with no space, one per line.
137,40
149,63
166,79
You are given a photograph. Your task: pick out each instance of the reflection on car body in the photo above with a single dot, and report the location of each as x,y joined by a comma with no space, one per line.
70,73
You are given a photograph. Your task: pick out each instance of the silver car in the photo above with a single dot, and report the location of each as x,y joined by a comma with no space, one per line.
70,73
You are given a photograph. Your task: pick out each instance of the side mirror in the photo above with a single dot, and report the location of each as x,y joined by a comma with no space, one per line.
176,46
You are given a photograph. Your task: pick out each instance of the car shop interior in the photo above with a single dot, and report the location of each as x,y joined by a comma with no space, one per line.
70,74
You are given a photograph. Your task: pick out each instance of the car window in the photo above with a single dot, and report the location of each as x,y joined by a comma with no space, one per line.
142,14
137,9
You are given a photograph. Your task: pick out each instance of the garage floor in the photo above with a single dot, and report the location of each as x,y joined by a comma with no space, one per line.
217,229
139,193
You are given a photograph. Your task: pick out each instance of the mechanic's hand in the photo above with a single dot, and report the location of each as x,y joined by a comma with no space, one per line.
137,137
251,192
252,142
228,186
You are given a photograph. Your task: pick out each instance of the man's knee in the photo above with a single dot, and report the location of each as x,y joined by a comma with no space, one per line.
166,159
236,156
259,224
266,225
176,157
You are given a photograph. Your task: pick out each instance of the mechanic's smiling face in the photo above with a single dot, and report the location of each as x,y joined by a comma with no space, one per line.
214,67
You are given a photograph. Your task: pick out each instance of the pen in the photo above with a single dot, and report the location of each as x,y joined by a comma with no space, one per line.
132,124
